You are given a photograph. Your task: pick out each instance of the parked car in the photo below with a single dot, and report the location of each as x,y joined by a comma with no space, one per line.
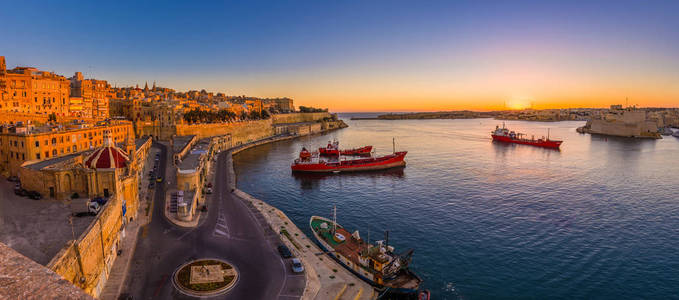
13,179
208,190
297,266
284,251
209,184
20,192
159,179
34,195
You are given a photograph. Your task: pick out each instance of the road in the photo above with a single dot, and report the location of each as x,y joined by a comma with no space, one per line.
231,231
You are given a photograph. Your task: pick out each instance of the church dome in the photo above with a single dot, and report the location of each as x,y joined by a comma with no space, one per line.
107,157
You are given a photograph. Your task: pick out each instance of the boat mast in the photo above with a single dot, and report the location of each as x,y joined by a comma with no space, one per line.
393,144
548,134
334,219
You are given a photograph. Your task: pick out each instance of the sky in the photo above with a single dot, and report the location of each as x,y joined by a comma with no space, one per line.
364,55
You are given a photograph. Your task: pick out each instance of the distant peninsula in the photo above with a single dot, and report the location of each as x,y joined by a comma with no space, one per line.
460,114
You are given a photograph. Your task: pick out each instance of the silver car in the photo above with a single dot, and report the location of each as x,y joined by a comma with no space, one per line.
297,265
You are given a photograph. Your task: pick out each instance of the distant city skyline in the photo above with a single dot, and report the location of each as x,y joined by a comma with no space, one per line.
359,56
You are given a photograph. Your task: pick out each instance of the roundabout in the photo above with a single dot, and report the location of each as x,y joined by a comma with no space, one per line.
205,277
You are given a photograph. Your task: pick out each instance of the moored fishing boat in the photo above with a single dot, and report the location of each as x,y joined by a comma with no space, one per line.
504,135
376,264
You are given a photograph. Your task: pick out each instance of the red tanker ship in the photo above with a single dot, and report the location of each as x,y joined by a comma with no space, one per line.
314,163
504,135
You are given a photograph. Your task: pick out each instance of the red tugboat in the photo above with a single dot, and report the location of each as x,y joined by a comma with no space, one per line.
504,135
332,149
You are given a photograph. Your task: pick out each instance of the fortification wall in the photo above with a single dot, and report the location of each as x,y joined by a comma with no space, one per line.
299,117
241,132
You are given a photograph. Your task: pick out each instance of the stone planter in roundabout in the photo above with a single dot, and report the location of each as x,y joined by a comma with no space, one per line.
205,277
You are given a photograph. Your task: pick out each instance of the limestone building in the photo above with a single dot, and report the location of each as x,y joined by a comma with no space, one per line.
29,91
24,143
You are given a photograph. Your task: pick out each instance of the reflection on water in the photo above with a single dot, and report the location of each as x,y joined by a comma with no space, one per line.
597,219
312,180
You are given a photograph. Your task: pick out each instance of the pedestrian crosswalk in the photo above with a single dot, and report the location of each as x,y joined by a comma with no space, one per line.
221,228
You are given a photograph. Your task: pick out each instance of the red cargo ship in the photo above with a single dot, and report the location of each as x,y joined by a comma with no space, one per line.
314,163
333,150
504,135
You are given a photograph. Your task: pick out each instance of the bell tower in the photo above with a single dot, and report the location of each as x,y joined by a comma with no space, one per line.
3,66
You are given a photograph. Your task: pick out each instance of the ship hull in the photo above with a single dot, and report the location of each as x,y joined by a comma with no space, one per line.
363,151
543,143
368,164
329,251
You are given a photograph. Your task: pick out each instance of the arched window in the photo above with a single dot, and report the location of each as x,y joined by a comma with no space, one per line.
75,148
54,152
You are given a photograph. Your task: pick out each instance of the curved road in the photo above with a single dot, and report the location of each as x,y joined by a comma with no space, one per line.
231,231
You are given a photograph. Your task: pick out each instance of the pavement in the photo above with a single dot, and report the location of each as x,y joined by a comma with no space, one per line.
230,230
39,229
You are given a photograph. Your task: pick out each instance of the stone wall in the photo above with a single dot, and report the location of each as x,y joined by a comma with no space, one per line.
299,117
241,132
87,262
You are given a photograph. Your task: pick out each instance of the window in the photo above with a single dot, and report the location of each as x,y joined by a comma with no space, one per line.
22,144
47,142
37,155
47,154
37,144
54,152
11,154
23,156
75,148
54,141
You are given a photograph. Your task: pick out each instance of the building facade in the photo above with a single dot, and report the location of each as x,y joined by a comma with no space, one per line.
21,144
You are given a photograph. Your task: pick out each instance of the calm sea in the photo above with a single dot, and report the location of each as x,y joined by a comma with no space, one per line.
598,219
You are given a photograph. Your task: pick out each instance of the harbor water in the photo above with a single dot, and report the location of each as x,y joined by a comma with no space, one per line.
598,219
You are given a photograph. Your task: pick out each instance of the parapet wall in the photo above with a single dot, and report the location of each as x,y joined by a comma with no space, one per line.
87,262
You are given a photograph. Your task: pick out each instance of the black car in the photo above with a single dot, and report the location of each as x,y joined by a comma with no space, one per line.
13,179
20,192
284,251
34,195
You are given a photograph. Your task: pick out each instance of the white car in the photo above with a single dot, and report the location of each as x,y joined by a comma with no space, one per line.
297,265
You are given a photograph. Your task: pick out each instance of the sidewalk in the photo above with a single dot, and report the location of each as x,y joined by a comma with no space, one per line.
121,265
325,278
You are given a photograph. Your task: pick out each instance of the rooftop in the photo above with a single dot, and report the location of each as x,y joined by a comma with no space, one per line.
53,161
180,142
140,141
191,160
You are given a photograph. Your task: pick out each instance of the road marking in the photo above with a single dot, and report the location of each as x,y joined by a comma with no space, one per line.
162,281
219,232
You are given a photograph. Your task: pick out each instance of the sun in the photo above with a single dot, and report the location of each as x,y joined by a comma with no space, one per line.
518,103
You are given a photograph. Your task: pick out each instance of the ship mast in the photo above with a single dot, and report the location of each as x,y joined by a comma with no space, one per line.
334,219
548,134
393,144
